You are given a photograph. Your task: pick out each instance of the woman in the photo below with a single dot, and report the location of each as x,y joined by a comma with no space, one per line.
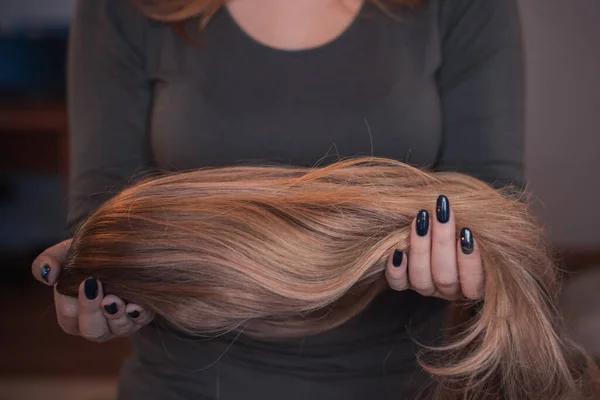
439,84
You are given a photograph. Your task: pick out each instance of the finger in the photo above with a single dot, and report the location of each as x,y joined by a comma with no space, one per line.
444,266
114,311
92,322
396,271
470,266
419,256
67,310
139,315
46,267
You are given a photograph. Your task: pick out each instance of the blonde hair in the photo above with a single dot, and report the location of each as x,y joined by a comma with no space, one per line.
285,252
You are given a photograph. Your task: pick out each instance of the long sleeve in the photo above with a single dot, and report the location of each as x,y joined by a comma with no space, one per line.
109,99
481,82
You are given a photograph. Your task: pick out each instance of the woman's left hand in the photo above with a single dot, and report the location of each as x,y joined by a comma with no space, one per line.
437,264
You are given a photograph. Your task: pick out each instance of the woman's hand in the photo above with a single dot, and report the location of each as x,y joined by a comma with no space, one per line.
91,315
437,264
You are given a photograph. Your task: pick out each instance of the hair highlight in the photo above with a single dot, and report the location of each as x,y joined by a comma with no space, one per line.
286,252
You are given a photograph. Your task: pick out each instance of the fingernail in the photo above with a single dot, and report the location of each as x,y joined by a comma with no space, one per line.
397,258
443,209
422,223
90,288
134,314
45,272
466,241
111,308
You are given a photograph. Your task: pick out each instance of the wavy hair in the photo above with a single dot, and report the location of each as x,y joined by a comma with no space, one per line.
283,252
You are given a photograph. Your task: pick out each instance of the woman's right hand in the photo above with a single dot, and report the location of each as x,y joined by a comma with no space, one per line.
91,315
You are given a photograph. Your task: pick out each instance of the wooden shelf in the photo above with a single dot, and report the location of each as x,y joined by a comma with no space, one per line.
34,137
48,117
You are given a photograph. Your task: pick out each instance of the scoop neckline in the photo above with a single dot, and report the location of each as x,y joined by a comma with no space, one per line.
316,49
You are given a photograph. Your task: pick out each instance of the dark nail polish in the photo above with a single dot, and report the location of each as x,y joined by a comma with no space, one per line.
90,288
134,314
443,209
45,272
111,308
422,223
466,241
397,258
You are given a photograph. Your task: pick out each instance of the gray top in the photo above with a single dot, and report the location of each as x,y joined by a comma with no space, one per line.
440,87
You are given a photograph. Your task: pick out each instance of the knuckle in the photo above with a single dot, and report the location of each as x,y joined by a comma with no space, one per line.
444,235
444,240
398,285
121,328
423,287
446,283
420,251
396,281
67,311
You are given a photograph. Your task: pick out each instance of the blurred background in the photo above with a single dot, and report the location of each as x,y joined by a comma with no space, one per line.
38,361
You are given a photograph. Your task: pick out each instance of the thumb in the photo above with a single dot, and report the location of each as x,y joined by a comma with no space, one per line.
46,267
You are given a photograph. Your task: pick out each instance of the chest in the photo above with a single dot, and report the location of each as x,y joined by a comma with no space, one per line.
369,91
294,25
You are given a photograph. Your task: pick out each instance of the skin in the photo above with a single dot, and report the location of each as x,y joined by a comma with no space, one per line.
435,265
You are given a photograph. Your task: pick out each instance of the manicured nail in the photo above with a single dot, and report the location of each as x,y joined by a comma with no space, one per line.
90,288
466,241
422,223
45,272
111,308
397,258
134,314
443,209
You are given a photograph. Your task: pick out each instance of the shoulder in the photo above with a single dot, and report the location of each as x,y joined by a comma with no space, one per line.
117,10
472,16
478,32
111,18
